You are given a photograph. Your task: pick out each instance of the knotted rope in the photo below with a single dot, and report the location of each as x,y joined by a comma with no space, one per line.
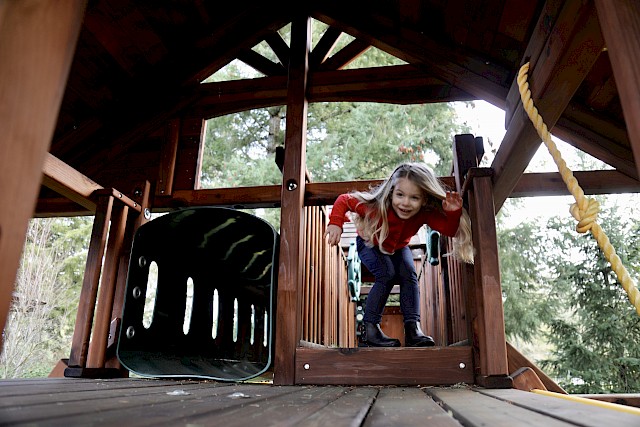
584,210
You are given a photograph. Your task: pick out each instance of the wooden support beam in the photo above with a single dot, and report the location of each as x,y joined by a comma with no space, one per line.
592,182
261,64
378,366
279,47
68,182
569,53
345,56
487,317
403,84
324,47
168,154
517,360
37,42
325,193
291,264
89,291
620,23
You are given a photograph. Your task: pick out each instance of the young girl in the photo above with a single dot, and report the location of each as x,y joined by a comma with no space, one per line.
386,218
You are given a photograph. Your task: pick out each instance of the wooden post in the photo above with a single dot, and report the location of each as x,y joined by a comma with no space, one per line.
488,318
100,335
620,25
291,264
89,291
37,42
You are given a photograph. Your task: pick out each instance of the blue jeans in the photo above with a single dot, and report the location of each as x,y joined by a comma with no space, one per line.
389,270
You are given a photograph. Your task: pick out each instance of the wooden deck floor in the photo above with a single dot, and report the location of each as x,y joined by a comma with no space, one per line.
138,402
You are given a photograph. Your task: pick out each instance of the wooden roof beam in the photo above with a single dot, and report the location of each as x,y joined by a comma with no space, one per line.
345,56
404,84
142,107
620,22
474,76
261,64
324,47
569,53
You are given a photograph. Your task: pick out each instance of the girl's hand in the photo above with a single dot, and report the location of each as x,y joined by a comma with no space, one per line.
452,201
333,234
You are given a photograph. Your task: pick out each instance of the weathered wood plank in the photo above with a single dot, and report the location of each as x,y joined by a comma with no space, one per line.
349,409
75,390
572,412
365,366
169,406
475,409
407,407
291,409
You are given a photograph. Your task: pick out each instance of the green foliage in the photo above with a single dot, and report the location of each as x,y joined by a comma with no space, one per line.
559,287
42,314
597,337
524,290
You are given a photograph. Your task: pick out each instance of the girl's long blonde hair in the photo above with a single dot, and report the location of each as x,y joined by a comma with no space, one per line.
375,225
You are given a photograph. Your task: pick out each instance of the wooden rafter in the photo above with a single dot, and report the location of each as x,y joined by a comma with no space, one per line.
569,53
143,106
481,79
345,56
261,64
324,47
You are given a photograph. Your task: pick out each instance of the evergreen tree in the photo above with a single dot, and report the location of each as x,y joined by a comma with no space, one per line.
597,334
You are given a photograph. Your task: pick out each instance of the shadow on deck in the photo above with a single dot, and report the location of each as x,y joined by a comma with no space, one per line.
134,401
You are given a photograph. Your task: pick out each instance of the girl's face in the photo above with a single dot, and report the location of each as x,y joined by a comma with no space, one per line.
407,198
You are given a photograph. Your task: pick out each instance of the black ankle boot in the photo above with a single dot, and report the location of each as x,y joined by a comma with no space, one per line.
413,336
374,337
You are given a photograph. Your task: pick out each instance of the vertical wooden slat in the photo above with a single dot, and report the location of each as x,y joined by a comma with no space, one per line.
106,291
620,25
306,297
141,194
314,277
89,291
291,264
37,42
489,320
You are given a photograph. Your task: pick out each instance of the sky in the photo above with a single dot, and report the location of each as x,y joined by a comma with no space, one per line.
487,121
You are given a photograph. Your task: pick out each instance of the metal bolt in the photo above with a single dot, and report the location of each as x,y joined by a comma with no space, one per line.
147,213
131,332
137,192
137,293
306,366
462,365
292,185
120,195
142,262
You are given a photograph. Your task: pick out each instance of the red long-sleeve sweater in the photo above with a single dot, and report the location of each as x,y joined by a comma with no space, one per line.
400,230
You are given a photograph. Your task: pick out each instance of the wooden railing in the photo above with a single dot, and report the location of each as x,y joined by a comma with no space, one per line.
328,316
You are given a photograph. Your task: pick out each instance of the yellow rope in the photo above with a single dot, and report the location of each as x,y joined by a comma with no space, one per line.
593,402
584,210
